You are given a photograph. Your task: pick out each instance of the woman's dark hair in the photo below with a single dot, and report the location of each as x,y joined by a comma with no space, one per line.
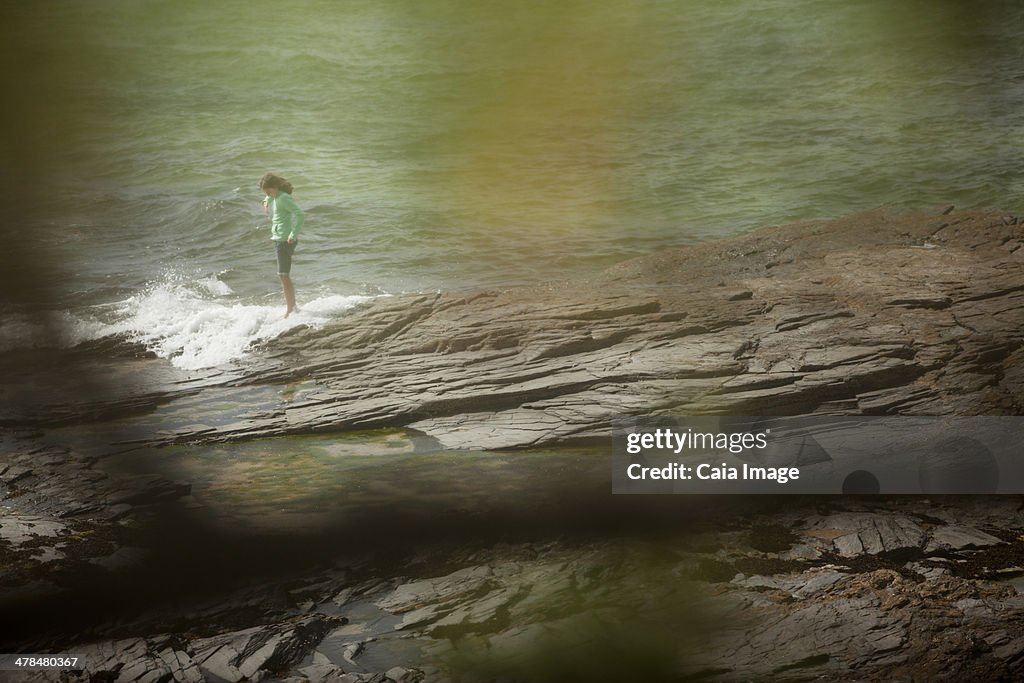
276,182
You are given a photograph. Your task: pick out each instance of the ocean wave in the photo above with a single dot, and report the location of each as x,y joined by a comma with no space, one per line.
176,321
195,325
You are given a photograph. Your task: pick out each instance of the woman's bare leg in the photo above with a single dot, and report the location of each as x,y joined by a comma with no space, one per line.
289,293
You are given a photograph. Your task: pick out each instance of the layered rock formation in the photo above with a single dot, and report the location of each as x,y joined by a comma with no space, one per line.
878,313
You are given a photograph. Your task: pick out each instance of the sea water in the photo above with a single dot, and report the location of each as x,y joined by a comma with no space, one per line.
454,144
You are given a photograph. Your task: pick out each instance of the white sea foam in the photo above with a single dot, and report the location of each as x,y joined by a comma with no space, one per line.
194,324
215,287
193,331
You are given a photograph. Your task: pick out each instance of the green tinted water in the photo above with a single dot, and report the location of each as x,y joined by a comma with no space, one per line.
452,143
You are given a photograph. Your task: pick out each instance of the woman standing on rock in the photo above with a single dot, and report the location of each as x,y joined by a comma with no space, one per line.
285,222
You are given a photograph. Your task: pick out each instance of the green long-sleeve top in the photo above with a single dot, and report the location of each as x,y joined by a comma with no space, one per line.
286,218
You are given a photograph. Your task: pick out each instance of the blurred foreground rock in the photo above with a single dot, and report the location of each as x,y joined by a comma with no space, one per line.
829,589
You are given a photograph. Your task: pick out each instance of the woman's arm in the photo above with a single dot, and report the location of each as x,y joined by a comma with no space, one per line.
297,217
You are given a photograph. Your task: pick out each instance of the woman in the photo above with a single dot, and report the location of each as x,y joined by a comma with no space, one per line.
285,222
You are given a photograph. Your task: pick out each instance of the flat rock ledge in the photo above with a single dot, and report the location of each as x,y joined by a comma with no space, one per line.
873,314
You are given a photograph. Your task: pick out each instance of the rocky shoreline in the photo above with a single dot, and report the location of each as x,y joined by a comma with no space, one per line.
879,313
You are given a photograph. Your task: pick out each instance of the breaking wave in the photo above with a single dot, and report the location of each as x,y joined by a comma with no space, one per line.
198,324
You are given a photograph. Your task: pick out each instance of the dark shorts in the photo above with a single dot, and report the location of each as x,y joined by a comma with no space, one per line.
284,256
